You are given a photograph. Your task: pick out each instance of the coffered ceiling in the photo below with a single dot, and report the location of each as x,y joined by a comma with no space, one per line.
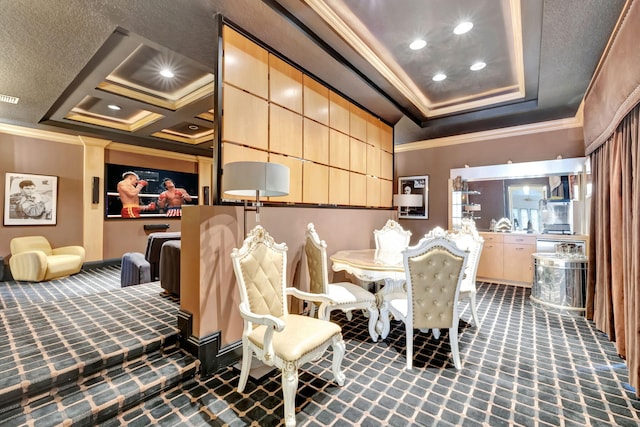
94,67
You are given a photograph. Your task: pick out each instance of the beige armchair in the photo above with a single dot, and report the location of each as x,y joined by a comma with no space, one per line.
434,270
345,296
33,259
275,337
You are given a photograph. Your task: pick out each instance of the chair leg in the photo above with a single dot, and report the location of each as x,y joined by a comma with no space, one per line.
385,325
455,353
324,312
436,333
338,354
409,347
247,355
289,389
373,320
474,312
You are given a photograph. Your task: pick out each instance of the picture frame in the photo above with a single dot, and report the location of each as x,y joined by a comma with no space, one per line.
30,199
414,185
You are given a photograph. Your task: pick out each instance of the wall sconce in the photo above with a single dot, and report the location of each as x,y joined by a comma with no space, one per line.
254,179
407,201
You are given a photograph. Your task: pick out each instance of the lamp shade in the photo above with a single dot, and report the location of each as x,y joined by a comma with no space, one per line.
409,200
245,178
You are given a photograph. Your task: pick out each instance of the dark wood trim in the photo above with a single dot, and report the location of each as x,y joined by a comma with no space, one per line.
207,349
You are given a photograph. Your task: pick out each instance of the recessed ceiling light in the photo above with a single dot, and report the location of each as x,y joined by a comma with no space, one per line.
439,77
477,66
193,127
165,72
463,27
417,44
114,107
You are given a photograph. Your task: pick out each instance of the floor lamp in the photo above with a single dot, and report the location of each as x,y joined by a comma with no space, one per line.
254,179
407,201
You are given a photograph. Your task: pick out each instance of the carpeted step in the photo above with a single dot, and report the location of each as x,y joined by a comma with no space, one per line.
52,345
102,395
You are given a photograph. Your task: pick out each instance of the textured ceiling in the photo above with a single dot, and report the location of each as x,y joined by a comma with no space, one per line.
55,59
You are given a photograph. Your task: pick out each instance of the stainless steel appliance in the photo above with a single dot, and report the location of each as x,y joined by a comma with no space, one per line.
556,216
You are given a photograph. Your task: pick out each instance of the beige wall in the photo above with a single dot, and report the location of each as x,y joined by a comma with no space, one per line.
209,234
41,157
64,156
437,162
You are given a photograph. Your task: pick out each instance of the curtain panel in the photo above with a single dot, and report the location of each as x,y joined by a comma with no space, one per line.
615,88
613,288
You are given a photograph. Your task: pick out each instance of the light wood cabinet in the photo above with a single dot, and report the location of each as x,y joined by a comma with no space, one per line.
518,263
506,258
491,259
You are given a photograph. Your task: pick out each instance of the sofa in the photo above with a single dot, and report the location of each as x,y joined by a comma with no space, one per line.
34,260
154,246
170,266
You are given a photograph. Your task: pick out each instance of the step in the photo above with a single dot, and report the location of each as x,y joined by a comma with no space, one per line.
101,396
52,345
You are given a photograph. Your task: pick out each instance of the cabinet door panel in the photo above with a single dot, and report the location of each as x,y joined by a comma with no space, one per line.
518,263
490,265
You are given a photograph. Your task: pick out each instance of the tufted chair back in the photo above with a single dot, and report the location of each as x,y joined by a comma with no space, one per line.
271,334
434,270
260,270
391,240
316,252
432,286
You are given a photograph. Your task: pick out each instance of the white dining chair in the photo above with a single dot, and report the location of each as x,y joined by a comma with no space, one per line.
434,270
391,240
275,337
468,239
345,296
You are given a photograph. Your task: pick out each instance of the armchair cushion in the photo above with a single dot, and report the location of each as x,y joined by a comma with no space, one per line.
33,259
301,335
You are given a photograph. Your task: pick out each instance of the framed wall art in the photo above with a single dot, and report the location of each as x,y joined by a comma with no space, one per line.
30,199
414,185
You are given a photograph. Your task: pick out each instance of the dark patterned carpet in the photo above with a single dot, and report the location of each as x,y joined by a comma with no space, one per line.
523,366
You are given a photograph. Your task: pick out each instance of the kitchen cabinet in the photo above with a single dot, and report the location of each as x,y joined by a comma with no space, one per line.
491,258
517,262
507,258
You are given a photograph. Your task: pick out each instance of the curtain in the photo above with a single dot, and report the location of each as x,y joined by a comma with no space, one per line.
613,288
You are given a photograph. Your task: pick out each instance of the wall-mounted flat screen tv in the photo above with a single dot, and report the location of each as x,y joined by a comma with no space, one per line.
151,202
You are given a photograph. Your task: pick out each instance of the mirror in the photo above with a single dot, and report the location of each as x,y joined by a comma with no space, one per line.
515,191
524,206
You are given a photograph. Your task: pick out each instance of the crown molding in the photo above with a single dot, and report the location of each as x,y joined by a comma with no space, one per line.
550,126
117,146
40,134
